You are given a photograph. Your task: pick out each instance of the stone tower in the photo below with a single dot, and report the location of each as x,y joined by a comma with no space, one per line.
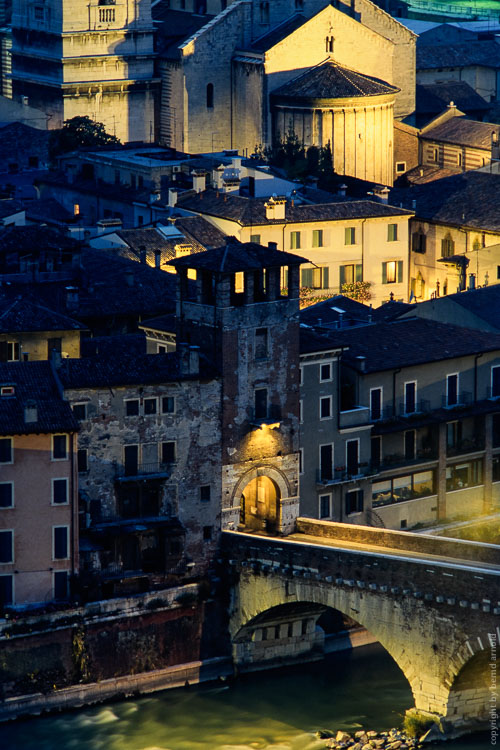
72,58
238,315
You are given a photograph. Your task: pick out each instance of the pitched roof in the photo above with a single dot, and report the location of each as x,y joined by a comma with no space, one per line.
252,211
408,342
201,233
332,81
48,210
174,27
272,38
33,239
485,53
467,199
235,256
434,98
9,206
426,173
483,304
33,382
463,132
334,311
21,314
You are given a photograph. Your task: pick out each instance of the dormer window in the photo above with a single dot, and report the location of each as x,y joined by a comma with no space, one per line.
7,390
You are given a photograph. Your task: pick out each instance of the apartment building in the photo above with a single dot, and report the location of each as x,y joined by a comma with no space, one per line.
400,423
38,487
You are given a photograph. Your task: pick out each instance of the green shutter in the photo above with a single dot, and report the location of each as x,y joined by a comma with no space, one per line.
341,276
326,277
400,271
384,273
307,277
359,272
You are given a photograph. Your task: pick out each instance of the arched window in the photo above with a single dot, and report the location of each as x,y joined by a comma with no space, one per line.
210,96
329,43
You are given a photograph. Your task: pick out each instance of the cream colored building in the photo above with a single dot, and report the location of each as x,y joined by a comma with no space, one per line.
344,242
91,59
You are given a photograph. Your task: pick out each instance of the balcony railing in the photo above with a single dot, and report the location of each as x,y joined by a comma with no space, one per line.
466,445
357,415
129,471
463,399
342,474
422,406
395,460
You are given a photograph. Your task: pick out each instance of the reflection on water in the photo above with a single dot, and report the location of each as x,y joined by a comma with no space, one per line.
278,710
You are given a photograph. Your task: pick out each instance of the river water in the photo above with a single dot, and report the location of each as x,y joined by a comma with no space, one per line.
275,710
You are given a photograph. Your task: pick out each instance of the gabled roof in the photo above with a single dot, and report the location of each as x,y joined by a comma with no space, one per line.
252,211
334,311
433,98
485,53
20,314
201,233
235,257
467,199
272,38
174,27
33,239
332,81
463,132
483,305
33,382
408,342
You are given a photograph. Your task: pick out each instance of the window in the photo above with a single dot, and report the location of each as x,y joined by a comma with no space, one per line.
400,489
301,410
39,12
10,351
6,494
205,493
325,407
210,96
452,389
80,411
60,585
317,238
150,406
315,278
6,452
453,434
329,42
207,533
410,444
132,407
433,154
76,209
418,242
61,546
459,159
168,452
350,236
83,460
376,450
301,460
59,447
294,240
168,405
131,459
467,474
447,246
392,232
326,462
496,469
325,372
353,502
411,397
261,403
6,591
239,282
400,167
59,491
6,546
325,506
392,272
375,403
352,456
255,238
264,12
496,430
261,343
350,273
495,385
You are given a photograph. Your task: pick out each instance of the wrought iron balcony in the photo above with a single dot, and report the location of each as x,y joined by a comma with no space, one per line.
466,445
124,472
464,398
343,474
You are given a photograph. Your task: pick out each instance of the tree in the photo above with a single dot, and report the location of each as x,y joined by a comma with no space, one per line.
79,131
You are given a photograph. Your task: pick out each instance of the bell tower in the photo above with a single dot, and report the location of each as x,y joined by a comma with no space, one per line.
87,58
239,316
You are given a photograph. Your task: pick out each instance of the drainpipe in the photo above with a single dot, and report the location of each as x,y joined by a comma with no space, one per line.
394,390
478,356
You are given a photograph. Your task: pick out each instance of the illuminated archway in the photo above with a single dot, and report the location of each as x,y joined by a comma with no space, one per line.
259,504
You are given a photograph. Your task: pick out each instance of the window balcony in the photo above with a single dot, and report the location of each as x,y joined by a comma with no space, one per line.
154,470
463,399
470,444
341,474
358,415
396,460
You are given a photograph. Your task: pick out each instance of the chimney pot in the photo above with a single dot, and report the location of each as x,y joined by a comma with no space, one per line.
30,412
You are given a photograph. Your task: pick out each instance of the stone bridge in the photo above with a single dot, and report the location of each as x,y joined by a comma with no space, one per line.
433,604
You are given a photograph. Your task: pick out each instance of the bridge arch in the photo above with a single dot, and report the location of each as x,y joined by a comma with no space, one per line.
472,677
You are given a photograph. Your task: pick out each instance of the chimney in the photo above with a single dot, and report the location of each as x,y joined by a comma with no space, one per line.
217,176
143,254
25,101
189,359
30,412
343,190
26,356
472,282
55,358
275,208
236,163
272,245
199,180
361,360
154,195
382,193
172,197
157,258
